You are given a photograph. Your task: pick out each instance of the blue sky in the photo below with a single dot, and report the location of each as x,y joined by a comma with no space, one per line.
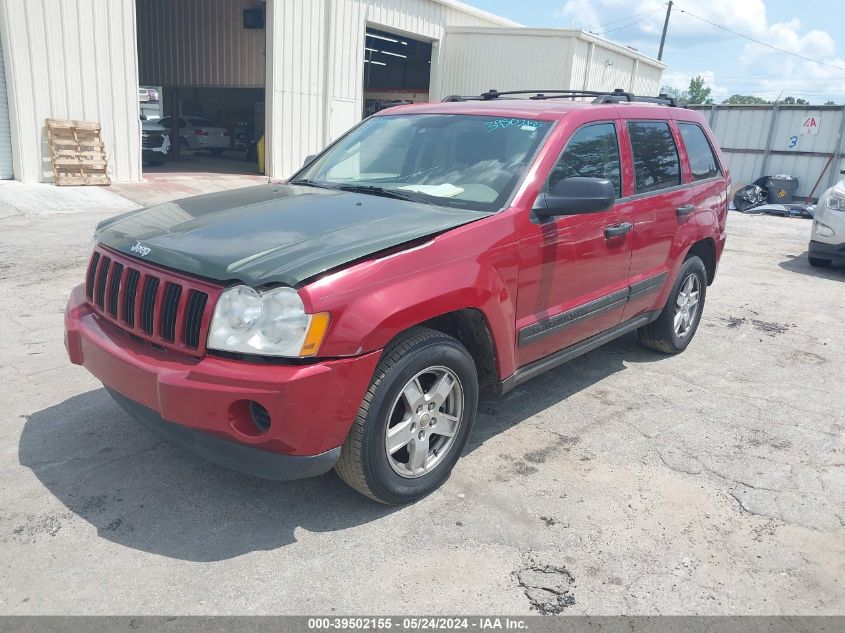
729,64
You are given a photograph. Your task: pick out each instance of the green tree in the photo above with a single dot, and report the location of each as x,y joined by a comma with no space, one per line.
698,92
794,101
671,91
745,100
829,102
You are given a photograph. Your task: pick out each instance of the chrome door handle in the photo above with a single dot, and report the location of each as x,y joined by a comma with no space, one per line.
685,209
617,229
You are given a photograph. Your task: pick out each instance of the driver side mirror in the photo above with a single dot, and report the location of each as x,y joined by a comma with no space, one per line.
576,195
308,160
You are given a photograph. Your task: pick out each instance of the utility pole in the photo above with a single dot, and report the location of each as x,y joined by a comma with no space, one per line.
665,28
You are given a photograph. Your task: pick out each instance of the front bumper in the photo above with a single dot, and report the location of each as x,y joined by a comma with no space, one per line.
203,403
833,252
246,459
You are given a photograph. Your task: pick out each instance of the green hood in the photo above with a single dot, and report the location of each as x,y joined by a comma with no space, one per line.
273,233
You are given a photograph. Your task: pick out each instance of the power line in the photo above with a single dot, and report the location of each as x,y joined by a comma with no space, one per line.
751,39
630,17
627,26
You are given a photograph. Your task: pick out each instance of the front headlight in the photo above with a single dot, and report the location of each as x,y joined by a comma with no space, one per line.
271,323
836,202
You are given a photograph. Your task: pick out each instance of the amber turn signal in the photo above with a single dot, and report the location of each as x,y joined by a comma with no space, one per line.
316,333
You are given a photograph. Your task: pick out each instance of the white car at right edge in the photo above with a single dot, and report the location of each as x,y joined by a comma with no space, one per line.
827,241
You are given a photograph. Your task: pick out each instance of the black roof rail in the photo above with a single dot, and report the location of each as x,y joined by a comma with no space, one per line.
615,96
454,98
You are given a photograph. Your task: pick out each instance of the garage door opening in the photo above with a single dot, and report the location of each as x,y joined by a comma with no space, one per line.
397,70
201,98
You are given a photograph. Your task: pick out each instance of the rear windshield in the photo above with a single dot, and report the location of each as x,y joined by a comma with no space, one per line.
455,160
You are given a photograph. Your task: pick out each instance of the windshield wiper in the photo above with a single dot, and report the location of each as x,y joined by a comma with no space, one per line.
310,183
378,191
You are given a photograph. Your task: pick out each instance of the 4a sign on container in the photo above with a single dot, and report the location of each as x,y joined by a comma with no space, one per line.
810,125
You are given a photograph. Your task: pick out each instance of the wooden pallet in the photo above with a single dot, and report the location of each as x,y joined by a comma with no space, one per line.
77,153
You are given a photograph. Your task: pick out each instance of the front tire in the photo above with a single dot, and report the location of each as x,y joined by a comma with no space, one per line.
414,421
673,330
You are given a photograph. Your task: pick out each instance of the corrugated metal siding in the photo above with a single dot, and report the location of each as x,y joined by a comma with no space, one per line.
743,133
296,82
471,63
74,59
315,75
473,59
7,171
422,17
196,43
609,70
647,81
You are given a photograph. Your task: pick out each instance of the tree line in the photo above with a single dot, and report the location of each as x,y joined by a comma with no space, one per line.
698,93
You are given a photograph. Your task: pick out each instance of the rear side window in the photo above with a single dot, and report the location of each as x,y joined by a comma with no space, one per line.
656,164
592,152
702,160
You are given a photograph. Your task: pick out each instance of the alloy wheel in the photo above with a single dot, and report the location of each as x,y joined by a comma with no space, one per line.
686,305
424,421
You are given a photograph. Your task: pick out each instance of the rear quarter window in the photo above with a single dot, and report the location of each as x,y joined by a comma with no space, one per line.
656,163
702,158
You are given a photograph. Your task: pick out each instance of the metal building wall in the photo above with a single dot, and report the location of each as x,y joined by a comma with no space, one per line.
74,59
477,59
474,60
315,60
766,140
601,65
196,43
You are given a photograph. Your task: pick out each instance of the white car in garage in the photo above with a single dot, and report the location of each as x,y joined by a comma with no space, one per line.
197,132
827,242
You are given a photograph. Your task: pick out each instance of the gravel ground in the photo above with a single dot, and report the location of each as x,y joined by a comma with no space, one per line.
625,482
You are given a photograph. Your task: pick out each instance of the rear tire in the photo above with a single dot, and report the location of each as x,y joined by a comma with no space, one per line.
439,370
819,263
673,330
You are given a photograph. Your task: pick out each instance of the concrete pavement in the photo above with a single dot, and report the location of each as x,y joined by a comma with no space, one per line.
625,482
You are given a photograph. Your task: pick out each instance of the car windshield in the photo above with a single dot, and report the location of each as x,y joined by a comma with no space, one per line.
455,160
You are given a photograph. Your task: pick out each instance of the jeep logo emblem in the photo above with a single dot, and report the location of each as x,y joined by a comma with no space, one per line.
142,250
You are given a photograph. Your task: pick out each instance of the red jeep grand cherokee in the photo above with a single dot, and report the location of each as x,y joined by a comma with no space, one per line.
348,317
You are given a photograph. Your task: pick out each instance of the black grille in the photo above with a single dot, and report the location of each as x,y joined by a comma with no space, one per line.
260,416
132,278
92,275
152,141
168,309
114,288
172,292
193,317
100,290
148,303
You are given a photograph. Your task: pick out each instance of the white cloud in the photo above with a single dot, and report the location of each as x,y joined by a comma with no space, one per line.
758,69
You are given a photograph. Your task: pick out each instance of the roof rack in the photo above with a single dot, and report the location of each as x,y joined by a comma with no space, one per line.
616,96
